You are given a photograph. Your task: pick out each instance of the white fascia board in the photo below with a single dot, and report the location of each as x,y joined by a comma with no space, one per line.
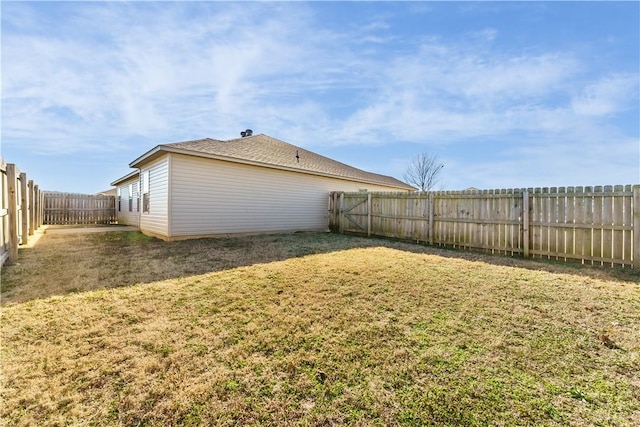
125,178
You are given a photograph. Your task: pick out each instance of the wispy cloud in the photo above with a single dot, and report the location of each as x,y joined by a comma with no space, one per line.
444,94
609,95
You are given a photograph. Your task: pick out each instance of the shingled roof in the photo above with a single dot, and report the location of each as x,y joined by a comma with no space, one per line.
263,150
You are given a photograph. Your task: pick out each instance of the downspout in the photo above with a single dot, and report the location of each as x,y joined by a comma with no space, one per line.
140,206
169,196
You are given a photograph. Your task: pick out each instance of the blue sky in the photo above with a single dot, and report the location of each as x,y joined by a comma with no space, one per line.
506,94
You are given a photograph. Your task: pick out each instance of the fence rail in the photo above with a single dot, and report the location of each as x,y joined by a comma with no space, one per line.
72,208
20,210
596,225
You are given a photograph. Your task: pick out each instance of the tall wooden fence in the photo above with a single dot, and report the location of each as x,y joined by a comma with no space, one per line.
595,225
20,210
72,208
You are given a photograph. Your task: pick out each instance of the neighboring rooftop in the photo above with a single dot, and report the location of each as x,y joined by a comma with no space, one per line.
270,152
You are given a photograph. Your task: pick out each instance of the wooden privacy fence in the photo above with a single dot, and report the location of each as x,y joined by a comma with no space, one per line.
71,208
595,225
20,211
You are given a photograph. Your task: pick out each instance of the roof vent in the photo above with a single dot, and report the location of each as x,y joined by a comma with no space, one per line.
243,134
248,132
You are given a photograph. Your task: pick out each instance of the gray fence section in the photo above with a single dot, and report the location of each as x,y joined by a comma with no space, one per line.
595,225
72,208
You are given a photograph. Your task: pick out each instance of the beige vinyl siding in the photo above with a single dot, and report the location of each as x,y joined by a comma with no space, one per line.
155,222
211,197
122,204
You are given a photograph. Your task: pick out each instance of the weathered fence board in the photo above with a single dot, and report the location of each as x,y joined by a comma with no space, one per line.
72,208
13,211
19,210
4,213
593,225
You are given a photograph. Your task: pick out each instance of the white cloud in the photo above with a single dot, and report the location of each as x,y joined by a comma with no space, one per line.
607,96
445,93
135,77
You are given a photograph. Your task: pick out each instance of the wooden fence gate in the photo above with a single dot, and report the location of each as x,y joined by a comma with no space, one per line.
71,208
595,225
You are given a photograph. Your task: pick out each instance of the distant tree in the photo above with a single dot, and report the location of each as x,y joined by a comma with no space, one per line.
423,171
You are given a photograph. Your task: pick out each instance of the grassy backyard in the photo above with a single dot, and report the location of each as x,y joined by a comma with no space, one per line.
311,329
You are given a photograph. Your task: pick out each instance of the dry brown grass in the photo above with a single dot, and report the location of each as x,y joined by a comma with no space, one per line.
250,331
60,264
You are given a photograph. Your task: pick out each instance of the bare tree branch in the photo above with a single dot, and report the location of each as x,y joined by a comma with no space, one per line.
423,171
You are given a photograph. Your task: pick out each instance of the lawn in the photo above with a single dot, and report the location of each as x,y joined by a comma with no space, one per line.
311,329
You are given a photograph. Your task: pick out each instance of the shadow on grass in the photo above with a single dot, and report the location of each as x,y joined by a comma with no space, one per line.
596,270
63,264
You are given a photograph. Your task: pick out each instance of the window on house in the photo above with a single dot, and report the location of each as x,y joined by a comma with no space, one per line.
145,202
137,188
119,199
130,197
145,191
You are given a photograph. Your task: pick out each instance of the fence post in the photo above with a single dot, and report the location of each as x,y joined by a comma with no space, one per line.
36,206
525,223
334,211
340,213
41,210
13,212
368,214
337,213
24,201
47,203
41,213
636,227
32,210
431,210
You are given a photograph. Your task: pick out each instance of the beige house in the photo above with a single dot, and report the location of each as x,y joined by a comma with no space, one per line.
253,184
128,198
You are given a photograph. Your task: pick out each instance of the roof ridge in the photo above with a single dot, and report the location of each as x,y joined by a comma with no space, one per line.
192,140
247,137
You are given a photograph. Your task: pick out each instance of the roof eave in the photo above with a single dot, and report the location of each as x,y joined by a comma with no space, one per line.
146,156
124,178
